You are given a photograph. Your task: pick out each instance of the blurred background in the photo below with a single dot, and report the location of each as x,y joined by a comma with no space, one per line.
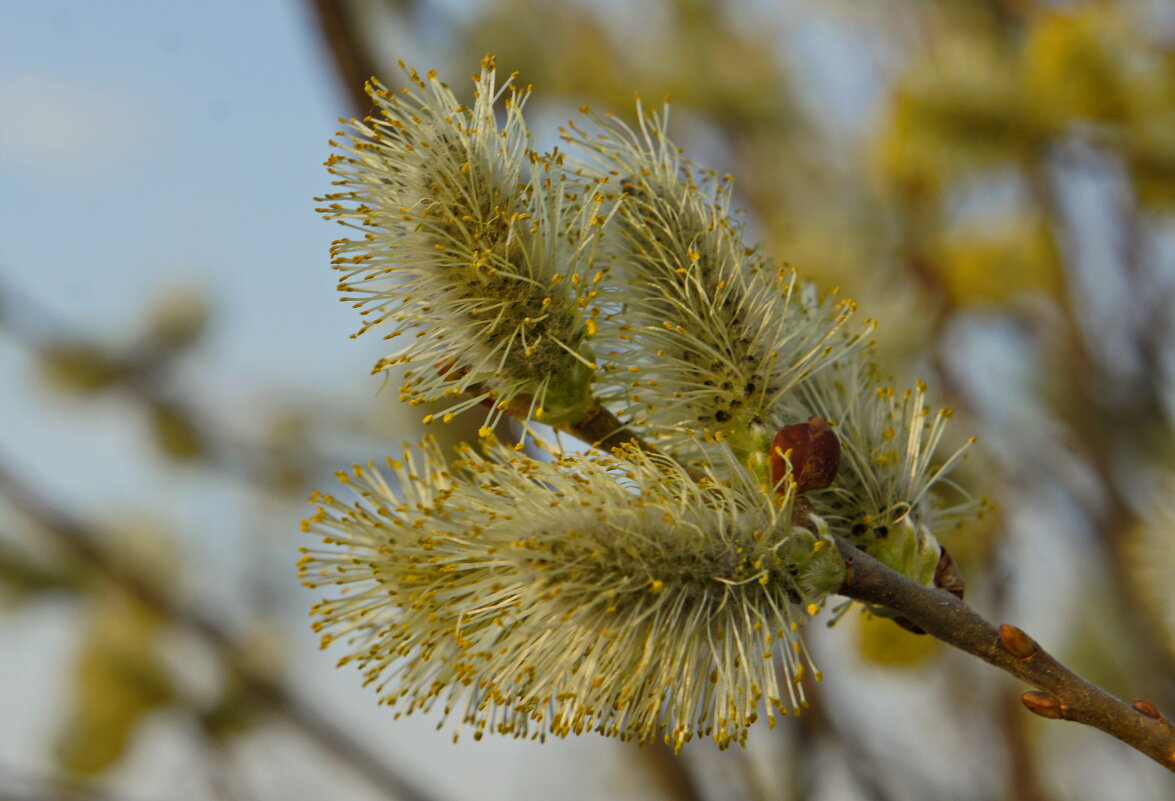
993,180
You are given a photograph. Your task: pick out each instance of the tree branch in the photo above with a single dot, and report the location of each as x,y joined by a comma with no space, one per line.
601,429
352,60
1061,694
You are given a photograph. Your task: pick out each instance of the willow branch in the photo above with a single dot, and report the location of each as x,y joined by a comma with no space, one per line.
670,772
1060,693
83,543
352,59
601,429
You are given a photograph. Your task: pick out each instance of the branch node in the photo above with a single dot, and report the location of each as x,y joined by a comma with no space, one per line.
1043,704
1147,708
1058,694
1019,644
947,576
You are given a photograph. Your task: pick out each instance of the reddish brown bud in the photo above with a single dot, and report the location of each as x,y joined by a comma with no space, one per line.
1147,708
947,576
1043,704
1019,644
814,453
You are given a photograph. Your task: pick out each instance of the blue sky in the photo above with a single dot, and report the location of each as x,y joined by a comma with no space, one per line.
145,145
149,142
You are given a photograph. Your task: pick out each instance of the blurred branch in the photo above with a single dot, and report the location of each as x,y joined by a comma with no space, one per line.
1104,424
819,725
143,380
353,61
1024,780
22,574
279,699
670,772
1061,694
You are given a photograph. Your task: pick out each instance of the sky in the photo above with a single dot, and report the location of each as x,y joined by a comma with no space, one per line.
144,143
147,146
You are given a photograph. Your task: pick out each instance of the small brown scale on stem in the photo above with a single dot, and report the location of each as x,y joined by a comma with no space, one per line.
1145,707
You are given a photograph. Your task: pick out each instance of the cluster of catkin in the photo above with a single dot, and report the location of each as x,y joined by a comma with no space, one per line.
651,587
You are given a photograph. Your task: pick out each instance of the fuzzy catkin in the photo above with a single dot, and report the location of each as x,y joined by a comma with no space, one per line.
713,334
473,246
652,592
591,593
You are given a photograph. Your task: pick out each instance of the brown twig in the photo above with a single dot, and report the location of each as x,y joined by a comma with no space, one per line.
225,450
352,59
670,772
601,429
1061,694
84,544
1103,424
